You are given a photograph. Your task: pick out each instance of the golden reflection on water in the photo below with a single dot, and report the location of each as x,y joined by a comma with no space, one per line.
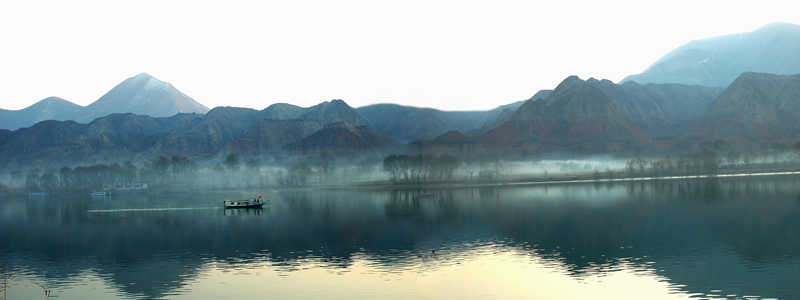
475,274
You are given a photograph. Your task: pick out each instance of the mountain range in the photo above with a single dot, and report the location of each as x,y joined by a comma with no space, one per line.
143,117
120,137
155,122
757,109
142,94
588,114
719,60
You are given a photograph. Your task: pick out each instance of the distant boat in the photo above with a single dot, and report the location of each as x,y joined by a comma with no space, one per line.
255,203
100,193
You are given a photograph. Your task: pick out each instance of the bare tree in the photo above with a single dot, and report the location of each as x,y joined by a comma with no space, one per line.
392,166
298,173
710,161
66,176
680,162
733,158
449,164
696,162
48,181
655,168
668,164
160,167
749,158
640,164
630,167
326,162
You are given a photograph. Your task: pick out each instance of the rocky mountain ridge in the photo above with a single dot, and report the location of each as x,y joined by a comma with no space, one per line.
756,108
592,115
345,140
719,60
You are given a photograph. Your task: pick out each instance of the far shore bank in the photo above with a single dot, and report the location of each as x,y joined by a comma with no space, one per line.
540,180
511,180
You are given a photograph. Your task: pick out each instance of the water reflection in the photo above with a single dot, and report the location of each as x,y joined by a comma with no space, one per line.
713,236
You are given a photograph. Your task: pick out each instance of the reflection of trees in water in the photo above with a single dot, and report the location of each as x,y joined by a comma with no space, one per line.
156,277
760,218
756,215
588,228
421,204
663,220
402,205
582,236
706,189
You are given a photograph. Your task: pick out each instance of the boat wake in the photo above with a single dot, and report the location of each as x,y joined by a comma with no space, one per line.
147,209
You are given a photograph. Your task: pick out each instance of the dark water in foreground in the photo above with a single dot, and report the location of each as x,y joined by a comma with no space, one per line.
734,238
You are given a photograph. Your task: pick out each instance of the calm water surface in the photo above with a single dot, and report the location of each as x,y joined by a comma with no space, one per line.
733,238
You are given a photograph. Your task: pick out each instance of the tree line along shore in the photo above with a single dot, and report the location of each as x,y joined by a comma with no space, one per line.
326,170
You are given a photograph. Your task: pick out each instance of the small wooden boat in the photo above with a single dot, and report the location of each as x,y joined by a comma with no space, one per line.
255,203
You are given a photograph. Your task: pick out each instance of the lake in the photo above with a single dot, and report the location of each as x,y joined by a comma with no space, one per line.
715,238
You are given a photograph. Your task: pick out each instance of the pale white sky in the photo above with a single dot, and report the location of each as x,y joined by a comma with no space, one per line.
454,55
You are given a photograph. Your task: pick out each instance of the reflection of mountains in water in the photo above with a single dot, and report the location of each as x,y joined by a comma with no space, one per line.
705,234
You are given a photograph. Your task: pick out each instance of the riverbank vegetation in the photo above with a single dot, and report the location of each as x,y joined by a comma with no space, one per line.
324,169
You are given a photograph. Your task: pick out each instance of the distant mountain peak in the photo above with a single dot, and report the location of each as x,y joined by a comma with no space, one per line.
54,98
142,94
717,61
333,111
570,79
50,108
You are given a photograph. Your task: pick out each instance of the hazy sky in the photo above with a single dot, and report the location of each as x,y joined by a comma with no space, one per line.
455,55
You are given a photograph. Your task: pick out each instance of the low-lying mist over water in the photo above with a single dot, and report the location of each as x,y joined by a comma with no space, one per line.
728,237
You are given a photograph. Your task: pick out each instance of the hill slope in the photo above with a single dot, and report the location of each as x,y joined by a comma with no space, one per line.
756,108
52,108
344,139
114,138
718,61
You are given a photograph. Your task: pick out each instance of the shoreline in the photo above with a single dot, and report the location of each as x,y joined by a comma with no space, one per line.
587,178
386,185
